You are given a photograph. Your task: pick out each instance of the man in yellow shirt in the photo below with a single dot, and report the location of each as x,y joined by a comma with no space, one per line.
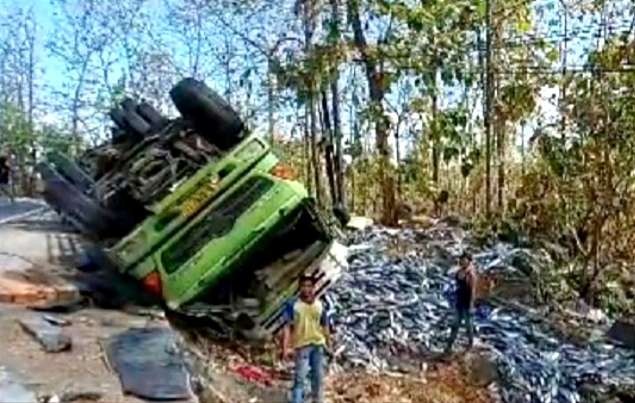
308,332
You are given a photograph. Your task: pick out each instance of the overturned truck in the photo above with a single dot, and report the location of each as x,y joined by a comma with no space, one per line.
203,214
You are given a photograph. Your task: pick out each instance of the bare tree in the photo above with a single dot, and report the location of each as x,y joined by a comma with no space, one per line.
377,90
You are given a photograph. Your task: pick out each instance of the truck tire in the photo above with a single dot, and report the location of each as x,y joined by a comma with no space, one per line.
118,116
84,212
151,115
136,123
128,119
71,171
128,104
210,114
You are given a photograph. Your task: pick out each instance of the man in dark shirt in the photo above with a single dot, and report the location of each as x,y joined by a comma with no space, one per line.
464,299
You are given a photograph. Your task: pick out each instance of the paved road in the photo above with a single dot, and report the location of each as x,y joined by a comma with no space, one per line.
12,390
19,207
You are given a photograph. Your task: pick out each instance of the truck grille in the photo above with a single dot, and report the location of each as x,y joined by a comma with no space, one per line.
217,223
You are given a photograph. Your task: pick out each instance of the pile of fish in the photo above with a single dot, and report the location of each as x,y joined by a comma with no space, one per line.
391,302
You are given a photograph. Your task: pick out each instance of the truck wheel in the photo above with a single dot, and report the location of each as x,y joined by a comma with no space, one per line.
128,104
136,123
151,115
82,210
71,171
212,116
128,119
118,116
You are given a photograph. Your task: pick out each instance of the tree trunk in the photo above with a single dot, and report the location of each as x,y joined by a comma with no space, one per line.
340,181
307,148
31,78
488,110
435,140
522,147
314,149
328,149
309,21
75,107
500,140
398,161
563,90
374,76
270,106
337,127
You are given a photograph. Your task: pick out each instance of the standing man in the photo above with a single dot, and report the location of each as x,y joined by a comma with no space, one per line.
464,299
5,176
307,332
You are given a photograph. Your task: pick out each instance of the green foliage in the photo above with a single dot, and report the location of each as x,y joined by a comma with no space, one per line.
582,189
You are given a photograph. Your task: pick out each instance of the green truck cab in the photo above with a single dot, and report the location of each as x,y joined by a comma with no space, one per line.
230,224
228,241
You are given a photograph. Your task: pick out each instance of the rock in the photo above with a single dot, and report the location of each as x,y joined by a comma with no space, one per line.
623,331
481,370
359,223
51,337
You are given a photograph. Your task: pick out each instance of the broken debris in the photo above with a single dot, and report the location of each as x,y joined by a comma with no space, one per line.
51,337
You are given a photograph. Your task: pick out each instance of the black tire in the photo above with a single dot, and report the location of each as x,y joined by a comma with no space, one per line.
151,115
119,117
136,123
127,119
128,104
72,172
84,212
210,114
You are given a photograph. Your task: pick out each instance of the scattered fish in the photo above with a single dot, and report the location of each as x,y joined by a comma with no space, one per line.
385,301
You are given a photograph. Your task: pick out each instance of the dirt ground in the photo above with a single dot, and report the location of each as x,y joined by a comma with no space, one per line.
82,369
38,251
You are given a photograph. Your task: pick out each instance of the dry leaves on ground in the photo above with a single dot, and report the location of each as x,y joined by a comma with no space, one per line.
448,384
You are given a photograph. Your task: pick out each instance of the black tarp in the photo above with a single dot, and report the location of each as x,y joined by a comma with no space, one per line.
148,364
